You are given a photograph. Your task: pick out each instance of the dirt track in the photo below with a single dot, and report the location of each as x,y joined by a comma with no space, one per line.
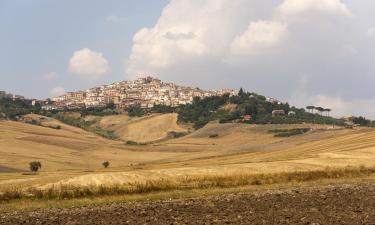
344,204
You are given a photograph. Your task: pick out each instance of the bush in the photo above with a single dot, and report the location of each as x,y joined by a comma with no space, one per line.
35,166
131,143
105,164
175,134
213,136
136,111
289,132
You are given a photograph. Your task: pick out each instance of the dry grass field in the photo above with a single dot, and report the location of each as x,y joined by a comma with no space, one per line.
71,156
142,130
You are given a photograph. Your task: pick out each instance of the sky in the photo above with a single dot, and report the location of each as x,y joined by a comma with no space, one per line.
305,52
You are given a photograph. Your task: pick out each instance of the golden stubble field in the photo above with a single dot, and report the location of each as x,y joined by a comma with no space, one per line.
71,156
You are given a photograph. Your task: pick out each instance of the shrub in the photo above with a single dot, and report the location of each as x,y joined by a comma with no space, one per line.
289,132
213,136
105,164
35,166
131,143
175,134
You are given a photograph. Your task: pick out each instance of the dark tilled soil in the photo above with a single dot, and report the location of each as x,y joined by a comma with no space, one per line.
343,204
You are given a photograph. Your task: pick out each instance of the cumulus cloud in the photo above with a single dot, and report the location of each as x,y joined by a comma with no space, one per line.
259,36
179,36
57,91
309,7
191,32
50,76
263,46
88,64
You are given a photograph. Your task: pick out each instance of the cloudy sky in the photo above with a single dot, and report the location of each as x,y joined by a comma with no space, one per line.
317,52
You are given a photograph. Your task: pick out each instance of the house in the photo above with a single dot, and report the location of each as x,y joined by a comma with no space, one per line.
349,122
247,118
278,112
18,97
291,113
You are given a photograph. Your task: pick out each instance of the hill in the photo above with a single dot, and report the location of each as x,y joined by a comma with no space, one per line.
339,149
64,152
142,129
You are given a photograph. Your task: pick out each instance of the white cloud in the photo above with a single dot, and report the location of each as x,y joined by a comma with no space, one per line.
57,91
190,32
371,32
50,76
259,36
308,7
88,64
262,46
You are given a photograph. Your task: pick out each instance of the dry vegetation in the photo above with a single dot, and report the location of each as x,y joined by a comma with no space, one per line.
141,129
218,155
185,183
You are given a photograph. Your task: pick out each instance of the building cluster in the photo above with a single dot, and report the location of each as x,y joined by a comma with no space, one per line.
143,92
3,94
27,101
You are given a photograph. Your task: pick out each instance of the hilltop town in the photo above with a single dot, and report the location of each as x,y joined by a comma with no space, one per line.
143,92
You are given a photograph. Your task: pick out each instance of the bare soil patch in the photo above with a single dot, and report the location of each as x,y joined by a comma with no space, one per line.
4,169
338,204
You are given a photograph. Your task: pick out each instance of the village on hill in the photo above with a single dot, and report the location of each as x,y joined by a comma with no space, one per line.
143,92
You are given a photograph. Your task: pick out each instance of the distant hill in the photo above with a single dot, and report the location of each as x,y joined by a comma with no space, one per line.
245,107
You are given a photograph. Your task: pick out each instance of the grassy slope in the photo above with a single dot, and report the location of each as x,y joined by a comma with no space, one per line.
64,153
73,156
144,129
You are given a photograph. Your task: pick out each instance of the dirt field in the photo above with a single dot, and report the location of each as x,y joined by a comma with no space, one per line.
337,204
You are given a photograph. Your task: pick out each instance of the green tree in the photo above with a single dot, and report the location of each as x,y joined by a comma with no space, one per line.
310,108
241,92
328,111
105,164
320,110
35,166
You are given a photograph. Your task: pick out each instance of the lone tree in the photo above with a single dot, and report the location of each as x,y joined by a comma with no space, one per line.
105,164
35,166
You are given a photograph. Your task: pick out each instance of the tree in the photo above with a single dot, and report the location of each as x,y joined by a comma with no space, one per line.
310,108
328,111
241,92
320,110
105,164
35,166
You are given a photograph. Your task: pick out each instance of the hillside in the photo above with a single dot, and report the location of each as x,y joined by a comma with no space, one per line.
313,152
141,129
64,152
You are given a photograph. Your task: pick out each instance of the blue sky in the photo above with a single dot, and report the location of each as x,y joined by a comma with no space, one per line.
38,37
305,52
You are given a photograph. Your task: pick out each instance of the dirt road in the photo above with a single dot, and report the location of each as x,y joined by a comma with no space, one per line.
343,204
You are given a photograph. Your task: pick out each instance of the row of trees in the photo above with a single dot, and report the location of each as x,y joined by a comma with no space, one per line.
320,110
